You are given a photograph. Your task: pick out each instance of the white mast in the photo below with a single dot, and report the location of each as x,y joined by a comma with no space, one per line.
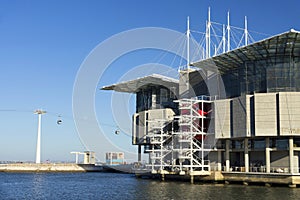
208,35
246,31
215,50
224,39
38,144
228,32
188,43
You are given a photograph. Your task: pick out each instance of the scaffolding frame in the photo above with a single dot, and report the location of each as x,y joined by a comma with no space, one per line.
160,147
181,150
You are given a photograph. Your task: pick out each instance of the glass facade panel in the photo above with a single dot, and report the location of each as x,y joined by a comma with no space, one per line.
143,100
263,76
272,68
282,144
153,97
232,83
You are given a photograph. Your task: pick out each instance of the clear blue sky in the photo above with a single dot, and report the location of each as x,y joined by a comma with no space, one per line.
43,43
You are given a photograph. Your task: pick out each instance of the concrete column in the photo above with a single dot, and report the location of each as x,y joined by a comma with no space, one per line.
291,154
246,153
139,153
219,161
154,99
86,157
163,177
134,126
227,157
268,162
92,158
192,179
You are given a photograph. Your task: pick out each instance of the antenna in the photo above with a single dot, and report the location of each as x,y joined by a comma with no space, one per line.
215,50
208,24
228,32
246,31
224,39
188,43
38,144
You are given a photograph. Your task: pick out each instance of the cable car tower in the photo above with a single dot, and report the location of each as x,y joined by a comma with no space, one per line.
38,143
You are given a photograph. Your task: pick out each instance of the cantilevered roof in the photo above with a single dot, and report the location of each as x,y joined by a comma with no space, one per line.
135,85
285,44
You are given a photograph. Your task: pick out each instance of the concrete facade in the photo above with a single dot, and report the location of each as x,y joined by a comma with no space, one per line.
265,114
289,113
259,132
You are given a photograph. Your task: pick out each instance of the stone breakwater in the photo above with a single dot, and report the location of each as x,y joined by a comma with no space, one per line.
49,167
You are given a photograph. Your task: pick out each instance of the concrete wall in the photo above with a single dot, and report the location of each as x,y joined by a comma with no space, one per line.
238,112
296,162
289,113
147,122
185,88
221,115
232,117
159,118
139,128
213,158
265,114
250,115
260,114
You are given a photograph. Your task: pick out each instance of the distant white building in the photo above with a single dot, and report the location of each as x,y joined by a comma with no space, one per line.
114,158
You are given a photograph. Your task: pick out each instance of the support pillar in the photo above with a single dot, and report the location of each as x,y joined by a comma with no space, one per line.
246,154
38,144
76,158
291,154
139,153
163,177
268,162
219,161
192,179
227,157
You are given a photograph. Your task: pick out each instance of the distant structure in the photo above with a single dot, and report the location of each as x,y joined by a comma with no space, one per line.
88,157
114,158
38,143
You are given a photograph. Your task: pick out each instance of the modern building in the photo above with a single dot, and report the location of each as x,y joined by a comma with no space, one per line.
236,111
259,127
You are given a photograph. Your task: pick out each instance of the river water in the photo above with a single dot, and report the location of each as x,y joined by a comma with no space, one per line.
126,186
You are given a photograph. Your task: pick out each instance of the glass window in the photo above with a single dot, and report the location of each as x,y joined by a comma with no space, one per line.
282,144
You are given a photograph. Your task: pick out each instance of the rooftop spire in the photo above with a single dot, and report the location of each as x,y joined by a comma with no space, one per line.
188,43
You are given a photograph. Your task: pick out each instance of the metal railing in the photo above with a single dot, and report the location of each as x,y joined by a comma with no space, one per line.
261,169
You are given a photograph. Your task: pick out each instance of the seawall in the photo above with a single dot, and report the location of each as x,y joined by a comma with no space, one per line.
49,167
267,179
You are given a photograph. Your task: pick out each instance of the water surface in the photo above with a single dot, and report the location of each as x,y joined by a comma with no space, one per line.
126,186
